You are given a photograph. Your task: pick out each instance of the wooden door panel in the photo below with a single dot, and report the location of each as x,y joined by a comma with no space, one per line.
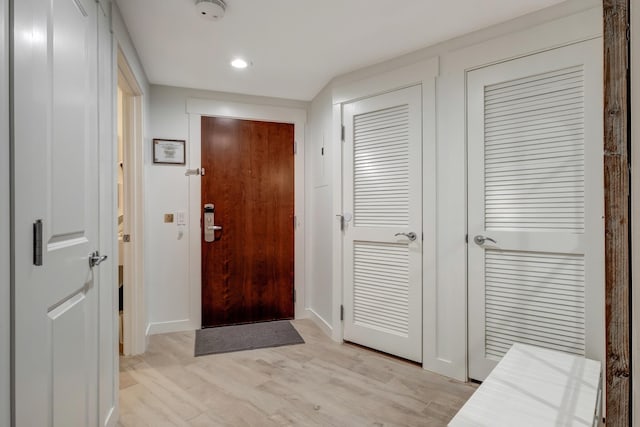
247,272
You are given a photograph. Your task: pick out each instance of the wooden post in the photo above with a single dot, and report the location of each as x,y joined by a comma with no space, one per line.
616,207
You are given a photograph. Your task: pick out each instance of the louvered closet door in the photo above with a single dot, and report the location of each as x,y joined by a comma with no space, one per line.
536,188
382,189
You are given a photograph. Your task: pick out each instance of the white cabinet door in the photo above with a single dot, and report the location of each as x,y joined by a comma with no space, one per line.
536,189
56,181
383,193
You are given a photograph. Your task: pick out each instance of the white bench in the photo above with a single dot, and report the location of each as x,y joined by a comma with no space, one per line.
533,386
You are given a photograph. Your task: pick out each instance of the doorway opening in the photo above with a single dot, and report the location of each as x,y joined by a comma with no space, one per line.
130,213
121,234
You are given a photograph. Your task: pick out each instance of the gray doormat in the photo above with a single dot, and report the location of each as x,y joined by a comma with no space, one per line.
225,339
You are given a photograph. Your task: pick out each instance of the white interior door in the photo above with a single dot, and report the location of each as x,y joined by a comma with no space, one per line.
56,181
536,189
383,239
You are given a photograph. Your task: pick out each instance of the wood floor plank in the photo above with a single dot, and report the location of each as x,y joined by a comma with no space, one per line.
319,383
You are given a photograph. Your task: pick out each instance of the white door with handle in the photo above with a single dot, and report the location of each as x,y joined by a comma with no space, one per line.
55,212
383,222
535,194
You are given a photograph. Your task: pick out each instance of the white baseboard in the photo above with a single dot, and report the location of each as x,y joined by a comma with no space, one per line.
155,328
111,419
322,324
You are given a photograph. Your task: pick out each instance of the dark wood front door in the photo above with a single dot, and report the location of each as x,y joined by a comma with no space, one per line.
247,271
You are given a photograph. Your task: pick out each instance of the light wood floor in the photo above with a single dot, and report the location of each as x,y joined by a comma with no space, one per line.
320,383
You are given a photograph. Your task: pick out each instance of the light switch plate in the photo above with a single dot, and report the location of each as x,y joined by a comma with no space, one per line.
181,218
168,218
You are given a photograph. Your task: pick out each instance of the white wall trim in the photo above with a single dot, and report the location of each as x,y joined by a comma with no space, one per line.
5,222
320,322
108,380
196,108
112,418
337,234
392,80
125,44
168,327
134,313
423,73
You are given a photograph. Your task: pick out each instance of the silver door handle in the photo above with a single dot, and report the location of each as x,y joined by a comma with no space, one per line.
214,227
95,259
480,240
411,236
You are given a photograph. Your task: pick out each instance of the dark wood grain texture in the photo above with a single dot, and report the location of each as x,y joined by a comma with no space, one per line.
247,273
616,182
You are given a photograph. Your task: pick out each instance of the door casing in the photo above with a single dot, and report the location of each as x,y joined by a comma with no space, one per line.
134,310
422,73
587,241
5,222
380,238
196,108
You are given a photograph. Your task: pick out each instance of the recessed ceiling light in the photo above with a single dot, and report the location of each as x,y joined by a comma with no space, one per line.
239,63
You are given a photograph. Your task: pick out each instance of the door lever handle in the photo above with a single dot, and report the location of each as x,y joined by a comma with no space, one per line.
411,236
95,259
480,240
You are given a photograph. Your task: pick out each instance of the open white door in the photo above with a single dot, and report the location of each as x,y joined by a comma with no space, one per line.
536,262
383,240
56,182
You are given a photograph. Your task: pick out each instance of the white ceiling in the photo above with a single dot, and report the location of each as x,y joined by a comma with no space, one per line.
296,46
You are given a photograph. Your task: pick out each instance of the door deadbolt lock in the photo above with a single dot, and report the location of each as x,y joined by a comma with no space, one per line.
209,223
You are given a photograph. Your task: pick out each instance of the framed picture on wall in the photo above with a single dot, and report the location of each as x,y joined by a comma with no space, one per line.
169,151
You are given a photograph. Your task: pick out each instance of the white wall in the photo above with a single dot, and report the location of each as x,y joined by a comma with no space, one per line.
167,246
166,250
5,241
445,337
319,207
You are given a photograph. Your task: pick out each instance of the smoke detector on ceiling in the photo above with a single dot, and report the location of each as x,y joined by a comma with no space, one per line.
211,10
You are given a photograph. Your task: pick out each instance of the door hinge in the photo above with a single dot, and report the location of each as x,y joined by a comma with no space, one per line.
342,132
126,238
295,147
341,312
322,151
201,171
466,238
294,296
295,222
